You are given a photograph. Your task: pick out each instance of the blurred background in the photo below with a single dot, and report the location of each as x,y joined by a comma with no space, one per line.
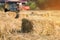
14,5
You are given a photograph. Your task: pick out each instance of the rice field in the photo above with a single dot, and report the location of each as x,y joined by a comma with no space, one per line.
46,25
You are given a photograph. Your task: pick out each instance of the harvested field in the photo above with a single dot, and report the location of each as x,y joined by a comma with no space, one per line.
46,25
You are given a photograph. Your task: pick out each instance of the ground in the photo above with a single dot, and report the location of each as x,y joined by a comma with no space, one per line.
46,25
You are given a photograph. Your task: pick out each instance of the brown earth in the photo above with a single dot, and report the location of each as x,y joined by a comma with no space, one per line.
49,4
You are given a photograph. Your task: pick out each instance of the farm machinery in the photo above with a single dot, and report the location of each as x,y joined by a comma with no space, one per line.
9,6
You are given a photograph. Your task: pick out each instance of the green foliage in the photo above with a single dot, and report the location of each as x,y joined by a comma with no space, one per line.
41,1
32,5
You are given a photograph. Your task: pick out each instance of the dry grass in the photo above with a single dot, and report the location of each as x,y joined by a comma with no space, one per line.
46,25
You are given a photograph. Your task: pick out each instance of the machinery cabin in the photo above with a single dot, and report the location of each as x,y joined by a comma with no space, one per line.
9,5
